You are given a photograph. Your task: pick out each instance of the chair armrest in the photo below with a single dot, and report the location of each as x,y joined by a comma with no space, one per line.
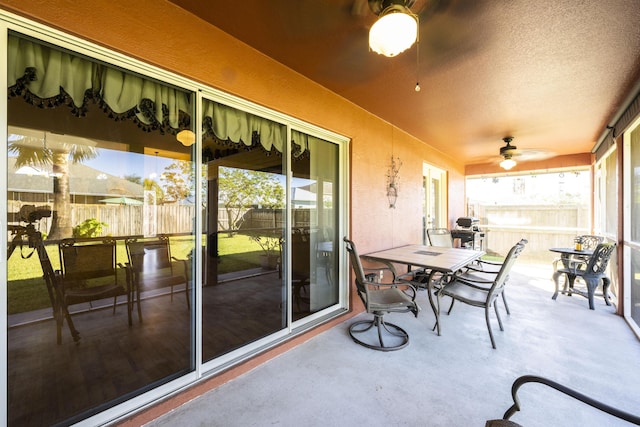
386,266
635,419
489,267
408,286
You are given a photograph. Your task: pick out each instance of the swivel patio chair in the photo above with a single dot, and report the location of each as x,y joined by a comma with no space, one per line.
592,274
378,299
520,381
481,293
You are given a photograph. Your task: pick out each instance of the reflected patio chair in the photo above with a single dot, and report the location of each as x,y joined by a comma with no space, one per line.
482,293
151,267
592,274
88,274
440,237
594,403
301,269
378,299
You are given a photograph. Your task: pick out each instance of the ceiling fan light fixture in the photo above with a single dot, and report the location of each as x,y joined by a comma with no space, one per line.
395,31
186,137
507,163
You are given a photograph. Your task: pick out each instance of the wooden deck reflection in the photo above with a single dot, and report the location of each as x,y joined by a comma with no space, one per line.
50,383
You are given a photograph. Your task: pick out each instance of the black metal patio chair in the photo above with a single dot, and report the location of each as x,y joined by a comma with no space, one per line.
593,273
520,381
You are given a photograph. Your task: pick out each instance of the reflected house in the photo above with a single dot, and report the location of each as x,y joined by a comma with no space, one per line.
87,186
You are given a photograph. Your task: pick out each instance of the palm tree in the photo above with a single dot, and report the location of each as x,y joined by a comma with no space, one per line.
37,155
151,185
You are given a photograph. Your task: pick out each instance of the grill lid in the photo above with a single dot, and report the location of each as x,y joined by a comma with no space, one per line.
467,221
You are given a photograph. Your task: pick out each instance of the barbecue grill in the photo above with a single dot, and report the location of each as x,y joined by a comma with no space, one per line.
468,231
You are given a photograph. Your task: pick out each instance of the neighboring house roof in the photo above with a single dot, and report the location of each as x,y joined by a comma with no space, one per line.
83,180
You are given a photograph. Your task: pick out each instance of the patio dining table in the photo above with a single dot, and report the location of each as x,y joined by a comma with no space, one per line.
437,260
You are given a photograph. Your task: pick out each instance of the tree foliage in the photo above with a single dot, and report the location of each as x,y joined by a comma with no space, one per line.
239,189
178,180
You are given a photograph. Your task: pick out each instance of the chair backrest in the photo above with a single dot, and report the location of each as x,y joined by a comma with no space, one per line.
149,255
356,265
503,274
590,242
440,237
83,261
600,258
301,255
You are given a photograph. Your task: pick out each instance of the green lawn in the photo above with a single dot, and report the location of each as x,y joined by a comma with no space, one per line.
26,289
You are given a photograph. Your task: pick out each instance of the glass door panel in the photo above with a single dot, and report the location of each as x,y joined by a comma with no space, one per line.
632,226
243,293
434,189
87,178
314,219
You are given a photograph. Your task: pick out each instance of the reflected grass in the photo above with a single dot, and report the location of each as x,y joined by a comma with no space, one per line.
27,291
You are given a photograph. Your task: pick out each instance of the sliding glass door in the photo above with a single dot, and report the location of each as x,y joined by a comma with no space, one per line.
158,231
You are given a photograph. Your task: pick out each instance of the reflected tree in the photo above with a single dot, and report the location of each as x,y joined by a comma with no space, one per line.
59,160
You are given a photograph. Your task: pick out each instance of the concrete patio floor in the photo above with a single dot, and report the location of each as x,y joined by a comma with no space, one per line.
455,379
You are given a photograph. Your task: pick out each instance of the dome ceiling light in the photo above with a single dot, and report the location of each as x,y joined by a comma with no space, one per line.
396,29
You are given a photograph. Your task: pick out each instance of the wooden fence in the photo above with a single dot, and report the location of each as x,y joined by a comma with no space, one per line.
543,226
131,220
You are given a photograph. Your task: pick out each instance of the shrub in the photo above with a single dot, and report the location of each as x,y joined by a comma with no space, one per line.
89,228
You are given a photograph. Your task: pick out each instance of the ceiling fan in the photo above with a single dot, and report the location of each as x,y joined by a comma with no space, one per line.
511,153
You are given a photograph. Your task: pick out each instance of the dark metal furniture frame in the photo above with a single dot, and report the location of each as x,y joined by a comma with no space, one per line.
519,382
593,273
381,298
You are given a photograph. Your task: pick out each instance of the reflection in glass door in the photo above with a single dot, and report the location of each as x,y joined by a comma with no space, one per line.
243,286
313,237
435,196
99,310
632,226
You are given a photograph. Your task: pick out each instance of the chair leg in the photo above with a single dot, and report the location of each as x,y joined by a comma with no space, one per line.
606,282
495,308
571,278
506,306
137,291
451,306
556,279
486,316
186,291
592,284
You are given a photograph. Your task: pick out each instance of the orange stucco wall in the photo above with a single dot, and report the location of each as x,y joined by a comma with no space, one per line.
159,33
